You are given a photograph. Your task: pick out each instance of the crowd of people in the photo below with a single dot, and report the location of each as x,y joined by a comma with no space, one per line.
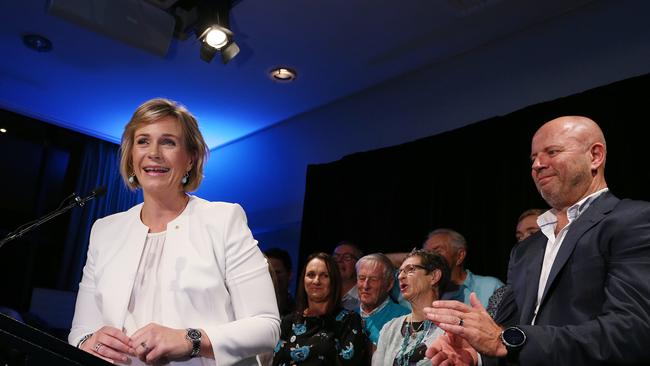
181,280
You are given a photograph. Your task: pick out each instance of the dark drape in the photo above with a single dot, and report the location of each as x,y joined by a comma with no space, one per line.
475,179
100,167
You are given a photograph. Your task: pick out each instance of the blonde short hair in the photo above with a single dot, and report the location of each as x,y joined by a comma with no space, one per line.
152,111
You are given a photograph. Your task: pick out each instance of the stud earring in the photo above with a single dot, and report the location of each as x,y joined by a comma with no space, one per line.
131,178
185,178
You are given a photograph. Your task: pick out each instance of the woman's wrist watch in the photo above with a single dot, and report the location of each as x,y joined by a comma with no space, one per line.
194,336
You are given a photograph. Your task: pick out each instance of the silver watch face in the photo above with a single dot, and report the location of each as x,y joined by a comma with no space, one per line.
513,337
194,334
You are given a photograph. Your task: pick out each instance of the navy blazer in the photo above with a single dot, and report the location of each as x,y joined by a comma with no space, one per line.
595,309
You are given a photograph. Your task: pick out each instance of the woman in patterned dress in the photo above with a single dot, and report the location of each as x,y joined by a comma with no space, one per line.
320,331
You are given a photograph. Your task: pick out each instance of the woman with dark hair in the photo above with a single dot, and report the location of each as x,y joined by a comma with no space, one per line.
404,340
321,332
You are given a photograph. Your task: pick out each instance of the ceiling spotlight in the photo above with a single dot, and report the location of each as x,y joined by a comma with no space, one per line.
37,42
216,37
283,74
213,31
3,130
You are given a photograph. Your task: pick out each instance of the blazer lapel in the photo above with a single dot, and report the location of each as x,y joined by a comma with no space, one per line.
128,259
173,264
594,214
533,269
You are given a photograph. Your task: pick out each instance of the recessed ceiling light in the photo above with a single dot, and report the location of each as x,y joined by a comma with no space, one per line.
37,42
3,130
283,74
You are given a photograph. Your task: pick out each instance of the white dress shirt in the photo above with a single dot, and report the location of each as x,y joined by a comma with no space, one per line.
547,223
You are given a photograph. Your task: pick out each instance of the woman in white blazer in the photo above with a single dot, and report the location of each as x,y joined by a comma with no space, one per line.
176,279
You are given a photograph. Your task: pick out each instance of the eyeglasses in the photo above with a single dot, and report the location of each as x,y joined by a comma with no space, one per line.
347,257
371,279
410,269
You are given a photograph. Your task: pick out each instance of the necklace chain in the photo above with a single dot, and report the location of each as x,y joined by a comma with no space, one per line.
413,329
403,357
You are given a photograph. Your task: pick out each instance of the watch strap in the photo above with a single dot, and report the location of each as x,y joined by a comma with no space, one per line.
512,357
194,336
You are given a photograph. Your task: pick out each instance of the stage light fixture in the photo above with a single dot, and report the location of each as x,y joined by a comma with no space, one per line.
218,39
215,36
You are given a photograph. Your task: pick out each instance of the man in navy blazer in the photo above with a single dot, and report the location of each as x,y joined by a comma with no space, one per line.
580,287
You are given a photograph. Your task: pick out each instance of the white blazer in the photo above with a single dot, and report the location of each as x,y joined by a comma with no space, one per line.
212,275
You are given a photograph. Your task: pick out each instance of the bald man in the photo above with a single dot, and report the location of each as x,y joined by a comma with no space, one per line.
579,294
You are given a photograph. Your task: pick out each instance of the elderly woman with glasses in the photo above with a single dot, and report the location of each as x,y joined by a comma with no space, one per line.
404,340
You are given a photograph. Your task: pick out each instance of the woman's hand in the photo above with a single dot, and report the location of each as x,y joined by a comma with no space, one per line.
154,342
108,343
449,349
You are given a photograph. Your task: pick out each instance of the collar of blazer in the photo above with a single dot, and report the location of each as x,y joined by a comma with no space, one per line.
598,210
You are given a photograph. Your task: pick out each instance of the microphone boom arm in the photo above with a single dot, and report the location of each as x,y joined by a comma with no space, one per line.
76,202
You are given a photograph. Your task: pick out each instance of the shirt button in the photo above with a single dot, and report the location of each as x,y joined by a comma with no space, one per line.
177,227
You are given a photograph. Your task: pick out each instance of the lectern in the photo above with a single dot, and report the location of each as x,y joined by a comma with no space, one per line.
22,345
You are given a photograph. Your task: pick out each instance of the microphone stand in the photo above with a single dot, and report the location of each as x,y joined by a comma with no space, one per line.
77,201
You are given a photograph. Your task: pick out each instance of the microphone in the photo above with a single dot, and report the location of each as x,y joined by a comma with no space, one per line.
97,192
78,201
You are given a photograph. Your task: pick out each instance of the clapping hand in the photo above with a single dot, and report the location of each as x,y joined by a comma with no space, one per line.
473,324
448,350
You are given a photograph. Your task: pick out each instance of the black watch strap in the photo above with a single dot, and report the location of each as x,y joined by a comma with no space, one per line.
513,338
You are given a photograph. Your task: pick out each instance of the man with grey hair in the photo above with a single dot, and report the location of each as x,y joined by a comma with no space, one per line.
452,246
374,281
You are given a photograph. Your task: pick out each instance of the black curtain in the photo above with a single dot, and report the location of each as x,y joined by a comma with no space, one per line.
475,179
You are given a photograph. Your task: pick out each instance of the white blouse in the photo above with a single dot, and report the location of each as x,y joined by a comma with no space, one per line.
144,304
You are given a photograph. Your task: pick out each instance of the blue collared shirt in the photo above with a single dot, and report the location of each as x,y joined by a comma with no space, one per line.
483,286
375,320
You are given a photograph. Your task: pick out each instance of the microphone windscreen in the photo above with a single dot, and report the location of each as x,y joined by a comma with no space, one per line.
99,191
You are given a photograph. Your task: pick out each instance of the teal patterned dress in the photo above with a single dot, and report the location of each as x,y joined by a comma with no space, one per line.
331,339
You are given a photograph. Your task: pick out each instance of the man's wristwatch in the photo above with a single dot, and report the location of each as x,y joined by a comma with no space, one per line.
194,336
513,338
